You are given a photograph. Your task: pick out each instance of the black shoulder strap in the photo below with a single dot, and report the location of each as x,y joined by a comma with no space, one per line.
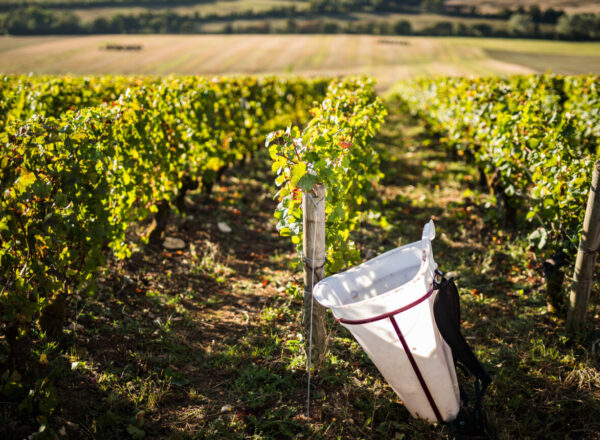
446,309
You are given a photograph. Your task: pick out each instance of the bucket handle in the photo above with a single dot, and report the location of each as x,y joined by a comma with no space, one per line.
428,231
426,237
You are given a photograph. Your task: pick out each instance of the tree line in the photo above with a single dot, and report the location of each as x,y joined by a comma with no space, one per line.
38,21
7,5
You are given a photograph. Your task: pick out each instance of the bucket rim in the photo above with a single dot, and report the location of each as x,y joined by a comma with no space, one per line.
425,245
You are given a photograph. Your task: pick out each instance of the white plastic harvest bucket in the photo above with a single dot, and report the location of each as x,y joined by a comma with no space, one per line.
387,304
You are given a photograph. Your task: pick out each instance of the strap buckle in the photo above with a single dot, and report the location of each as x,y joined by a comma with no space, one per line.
438,278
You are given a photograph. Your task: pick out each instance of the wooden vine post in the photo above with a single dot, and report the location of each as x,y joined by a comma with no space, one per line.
314,258
586,257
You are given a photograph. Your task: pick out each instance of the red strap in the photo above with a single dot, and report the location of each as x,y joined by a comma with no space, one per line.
388,314
415,367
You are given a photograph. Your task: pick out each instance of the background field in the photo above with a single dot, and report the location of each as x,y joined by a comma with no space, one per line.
570,6
386,58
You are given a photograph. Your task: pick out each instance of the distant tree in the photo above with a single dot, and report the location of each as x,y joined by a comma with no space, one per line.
379,5
36,21
383,28
481,30
291,26
579,26
461,29
330,27
29,21
323,6
551,15
439,28
535,13
99,25
565,28
520,25
433,5
118,24
366,28
402,27
187,27
504,13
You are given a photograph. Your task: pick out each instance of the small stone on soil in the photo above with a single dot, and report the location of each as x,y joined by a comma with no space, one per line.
173,243
224,227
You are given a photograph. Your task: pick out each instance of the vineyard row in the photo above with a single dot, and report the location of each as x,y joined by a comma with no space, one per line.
534,137
84,159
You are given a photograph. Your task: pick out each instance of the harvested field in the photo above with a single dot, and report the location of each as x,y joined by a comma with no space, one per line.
386,58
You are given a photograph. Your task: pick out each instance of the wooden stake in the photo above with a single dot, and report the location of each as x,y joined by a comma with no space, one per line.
313,206
586,257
